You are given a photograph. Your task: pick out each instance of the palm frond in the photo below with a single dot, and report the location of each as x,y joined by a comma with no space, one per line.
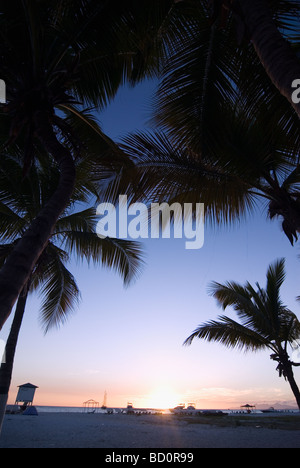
275,277
289,327
265,321
98,156
230,294
60,295
248,303
77,232
12,225
40,272
123,256
83,221
196,80
117,42
164,171
229,333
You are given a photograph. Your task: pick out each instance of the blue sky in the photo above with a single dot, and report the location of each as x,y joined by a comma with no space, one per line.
129,341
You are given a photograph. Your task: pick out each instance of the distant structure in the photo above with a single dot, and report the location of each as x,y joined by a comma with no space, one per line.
249,408
25,395
104,405
90,406
130,409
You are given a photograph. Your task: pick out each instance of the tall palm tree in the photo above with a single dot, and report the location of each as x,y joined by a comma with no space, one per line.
206,69
65,55
7,363
244,164
226,136
267,24
265,322
74,233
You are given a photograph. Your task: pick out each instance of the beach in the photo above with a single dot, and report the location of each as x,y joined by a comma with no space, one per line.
78,430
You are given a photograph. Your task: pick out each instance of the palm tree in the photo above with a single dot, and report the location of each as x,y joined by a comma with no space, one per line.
246,162
273,50
6,368
265,322
229,138
63,55
74,233
226,136
206,69
268,25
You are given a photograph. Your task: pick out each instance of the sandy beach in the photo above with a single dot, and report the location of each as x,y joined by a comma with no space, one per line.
76,430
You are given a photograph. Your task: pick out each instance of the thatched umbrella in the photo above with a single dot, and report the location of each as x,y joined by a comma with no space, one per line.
248,407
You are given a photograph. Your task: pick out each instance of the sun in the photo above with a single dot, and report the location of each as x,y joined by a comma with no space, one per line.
163,398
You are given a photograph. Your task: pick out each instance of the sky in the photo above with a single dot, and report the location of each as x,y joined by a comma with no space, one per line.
129,342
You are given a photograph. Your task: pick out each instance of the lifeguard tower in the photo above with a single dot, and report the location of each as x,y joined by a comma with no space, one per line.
25,395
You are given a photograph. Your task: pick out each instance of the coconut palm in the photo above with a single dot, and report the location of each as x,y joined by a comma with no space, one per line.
74,234
206,70
264,321
226,138
63,55
268,25
245,163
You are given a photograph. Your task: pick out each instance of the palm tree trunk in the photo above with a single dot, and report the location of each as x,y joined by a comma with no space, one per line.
19,265
274,52
294,386
10,350
289,375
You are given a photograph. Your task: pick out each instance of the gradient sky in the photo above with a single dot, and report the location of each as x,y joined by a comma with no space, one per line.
129,341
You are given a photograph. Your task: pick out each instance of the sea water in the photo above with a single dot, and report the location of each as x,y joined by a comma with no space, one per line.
80,409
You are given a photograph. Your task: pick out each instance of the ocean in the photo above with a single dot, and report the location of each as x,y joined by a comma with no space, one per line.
81,409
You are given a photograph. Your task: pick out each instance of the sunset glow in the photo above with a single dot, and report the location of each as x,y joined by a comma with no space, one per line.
163,398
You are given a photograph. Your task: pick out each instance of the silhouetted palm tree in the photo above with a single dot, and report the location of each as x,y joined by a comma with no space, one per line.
74,234
217,103
63,55
243,165
265,322
227,137
267,25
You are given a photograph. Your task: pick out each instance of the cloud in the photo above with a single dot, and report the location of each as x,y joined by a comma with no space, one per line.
92,371
225,397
